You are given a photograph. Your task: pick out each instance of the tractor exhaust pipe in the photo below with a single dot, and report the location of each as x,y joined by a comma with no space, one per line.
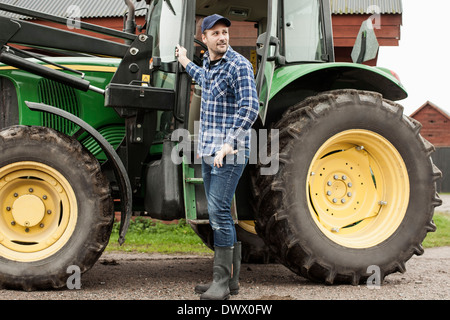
129,23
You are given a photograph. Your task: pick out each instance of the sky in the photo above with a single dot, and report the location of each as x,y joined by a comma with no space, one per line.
422,59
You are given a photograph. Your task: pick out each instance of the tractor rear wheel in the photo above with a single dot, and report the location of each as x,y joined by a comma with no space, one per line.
57,211
355,188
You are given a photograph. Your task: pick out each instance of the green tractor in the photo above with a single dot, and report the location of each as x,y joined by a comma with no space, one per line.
339,179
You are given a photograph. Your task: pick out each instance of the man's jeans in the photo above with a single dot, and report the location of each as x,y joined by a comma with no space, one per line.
220,185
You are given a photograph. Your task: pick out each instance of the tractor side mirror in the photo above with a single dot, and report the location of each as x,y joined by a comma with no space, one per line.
274,49
366,44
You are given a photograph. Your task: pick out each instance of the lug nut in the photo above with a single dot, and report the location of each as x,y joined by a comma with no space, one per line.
16,194
41,225
336,177
49,211
334,200
8,208
329,193
31,189
44,197
349,194
13,223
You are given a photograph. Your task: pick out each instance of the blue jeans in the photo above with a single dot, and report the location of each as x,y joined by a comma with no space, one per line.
220,186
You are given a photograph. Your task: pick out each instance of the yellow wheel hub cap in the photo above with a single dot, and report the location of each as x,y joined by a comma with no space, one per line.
28,210
358,188
38,211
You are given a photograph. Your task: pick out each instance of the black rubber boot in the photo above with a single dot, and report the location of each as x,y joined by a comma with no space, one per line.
234,282
219,290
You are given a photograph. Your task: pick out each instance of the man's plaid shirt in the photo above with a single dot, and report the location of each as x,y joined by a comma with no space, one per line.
229,102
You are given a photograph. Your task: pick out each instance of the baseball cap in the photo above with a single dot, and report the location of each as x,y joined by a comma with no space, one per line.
211,20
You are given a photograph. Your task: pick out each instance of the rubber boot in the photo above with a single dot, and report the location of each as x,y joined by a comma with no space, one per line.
219,290
234,282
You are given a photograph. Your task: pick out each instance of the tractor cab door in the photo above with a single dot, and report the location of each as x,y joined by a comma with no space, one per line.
168,23
298,31
267,50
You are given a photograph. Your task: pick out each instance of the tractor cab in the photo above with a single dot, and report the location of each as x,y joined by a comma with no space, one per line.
269,34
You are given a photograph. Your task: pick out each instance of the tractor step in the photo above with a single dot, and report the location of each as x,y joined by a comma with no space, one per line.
198,221
189,183
194,180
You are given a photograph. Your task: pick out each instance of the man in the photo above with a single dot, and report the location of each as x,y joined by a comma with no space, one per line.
228,110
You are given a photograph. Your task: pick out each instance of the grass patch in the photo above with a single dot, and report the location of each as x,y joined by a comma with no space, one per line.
441,237
149,236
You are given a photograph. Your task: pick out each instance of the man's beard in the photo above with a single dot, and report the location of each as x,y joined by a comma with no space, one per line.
221,48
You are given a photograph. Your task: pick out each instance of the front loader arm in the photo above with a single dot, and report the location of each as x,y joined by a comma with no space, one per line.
64,21
32,34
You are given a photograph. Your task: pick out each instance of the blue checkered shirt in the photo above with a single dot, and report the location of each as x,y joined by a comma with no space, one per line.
229,102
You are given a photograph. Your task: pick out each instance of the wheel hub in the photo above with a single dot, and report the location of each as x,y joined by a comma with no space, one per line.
340,189
358,188
38,211
28,210
337,191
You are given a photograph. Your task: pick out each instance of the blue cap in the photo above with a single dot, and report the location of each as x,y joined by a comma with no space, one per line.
211,20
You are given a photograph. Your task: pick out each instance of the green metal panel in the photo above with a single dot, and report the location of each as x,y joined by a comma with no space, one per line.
332,76
287,74
62,97
89,106
114,134
29,87
189,181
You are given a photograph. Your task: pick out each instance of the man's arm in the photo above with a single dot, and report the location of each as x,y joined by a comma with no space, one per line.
248,103
181,54
248,108
193,70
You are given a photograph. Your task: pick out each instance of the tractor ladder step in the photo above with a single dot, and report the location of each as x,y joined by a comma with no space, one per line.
189,183
194,180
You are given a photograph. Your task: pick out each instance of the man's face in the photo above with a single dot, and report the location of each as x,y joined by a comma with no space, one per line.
216,39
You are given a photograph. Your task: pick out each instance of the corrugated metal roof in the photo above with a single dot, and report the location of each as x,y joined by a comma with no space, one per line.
116,8
366,6
87,8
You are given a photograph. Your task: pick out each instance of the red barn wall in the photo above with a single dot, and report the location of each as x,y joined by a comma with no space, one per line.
436,124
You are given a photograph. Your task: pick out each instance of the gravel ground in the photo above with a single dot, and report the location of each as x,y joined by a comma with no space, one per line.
445,207
133,276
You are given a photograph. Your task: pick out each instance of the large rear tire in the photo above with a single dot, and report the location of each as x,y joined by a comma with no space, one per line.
355,188
56,208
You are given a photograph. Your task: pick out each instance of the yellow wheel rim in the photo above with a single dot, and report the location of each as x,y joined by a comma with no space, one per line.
39,211
248,225
358,188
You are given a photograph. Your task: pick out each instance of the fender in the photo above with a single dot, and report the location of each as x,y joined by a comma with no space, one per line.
320,77
119,169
